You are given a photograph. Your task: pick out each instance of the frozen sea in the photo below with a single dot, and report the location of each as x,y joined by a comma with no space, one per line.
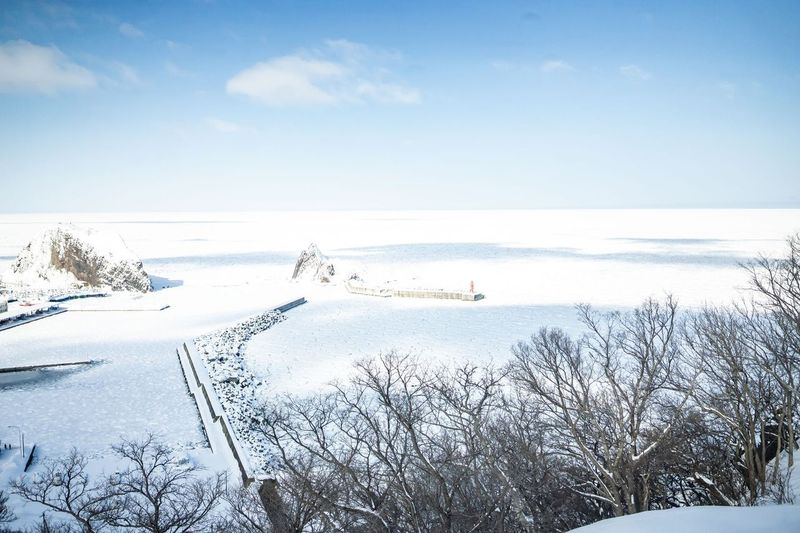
219,268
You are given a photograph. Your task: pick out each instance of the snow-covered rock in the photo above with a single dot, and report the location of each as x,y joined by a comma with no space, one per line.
314,266
68,258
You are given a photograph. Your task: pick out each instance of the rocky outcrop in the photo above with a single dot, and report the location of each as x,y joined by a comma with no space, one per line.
69,258
312,265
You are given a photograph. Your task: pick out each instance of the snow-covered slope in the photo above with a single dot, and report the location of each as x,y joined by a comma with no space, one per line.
767,518
68,258
312,265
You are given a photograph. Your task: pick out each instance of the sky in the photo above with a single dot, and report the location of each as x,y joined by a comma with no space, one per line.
230,105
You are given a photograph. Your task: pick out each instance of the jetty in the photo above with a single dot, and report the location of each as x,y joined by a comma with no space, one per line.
355,287
28,368
24,315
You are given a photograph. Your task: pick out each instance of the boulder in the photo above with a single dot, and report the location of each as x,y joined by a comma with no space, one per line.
70,258
312,265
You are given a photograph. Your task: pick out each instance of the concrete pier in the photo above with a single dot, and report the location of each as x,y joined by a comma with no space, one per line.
439,294
25,315
385,292
28,368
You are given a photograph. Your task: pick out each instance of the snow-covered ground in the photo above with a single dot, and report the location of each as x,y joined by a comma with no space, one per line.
215,270
532,266
766,519
320,341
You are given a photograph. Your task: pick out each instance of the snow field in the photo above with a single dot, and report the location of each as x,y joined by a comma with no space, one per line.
220,268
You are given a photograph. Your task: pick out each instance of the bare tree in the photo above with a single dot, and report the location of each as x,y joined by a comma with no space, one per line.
612,397
50,526
778,281
776,329
156,492
63,486
6,514
769,337
398,448
245,513
521,442
732,390
159,493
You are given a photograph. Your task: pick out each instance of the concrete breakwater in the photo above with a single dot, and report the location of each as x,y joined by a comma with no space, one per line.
224,390
25,315
386,292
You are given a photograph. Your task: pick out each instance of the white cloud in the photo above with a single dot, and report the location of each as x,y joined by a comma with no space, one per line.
27,67
340,72
556,65
129,30
635,72
388,93
126,73
552,66
288,81
224,126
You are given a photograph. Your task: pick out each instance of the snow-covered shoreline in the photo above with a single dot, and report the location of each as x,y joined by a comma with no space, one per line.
224,268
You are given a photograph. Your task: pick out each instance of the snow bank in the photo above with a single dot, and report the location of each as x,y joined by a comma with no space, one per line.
768,518
67,258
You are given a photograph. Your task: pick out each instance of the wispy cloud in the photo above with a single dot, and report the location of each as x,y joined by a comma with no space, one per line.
126,73
174,46
501,65
60,14
556,65
341,71
176,71
27,67
728,89
388,93
551,66
129,30
225,126
635,72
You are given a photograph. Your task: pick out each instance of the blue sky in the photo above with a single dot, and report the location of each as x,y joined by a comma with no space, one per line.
369,105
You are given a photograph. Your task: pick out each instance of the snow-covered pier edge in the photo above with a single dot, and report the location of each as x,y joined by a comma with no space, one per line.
387,292
26,316
220,432
216,425
28,368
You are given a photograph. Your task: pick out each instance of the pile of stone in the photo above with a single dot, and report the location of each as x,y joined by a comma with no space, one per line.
223,354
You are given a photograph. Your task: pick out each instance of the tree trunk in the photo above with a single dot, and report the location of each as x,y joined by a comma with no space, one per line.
273,505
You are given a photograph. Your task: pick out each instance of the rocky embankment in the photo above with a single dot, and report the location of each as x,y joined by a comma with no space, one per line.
223,354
